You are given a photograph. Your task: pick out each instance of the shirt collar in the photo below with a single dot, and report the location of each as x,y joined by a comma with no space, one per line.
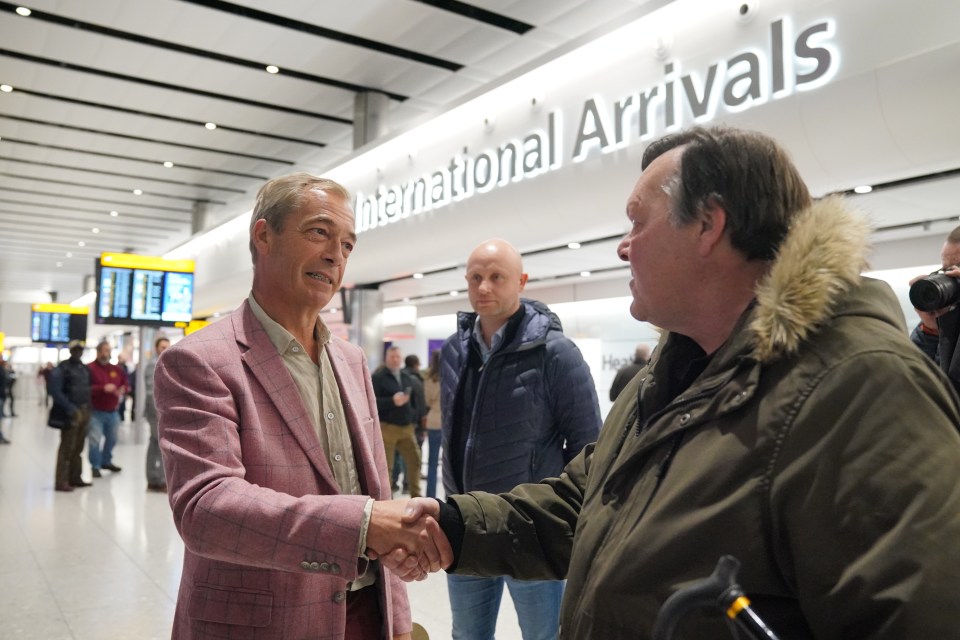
282,339
494,341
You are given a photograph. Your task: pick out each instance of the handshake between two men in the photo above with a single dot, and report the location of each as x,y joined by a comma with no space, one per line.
405,536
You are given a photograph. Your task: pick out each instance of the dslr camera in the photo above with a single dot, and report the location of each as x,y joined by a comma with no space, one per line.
935,291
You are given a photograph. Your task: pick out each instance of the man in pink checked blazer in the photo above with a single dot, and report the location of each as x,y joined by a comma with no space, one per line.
272,449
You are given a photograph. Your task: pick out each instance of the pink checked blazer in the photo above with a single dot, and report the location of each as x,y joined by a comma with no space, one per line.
270,542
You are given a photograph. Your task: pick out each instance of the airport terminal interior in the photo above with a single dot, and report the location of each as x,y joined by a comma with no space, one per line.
134,137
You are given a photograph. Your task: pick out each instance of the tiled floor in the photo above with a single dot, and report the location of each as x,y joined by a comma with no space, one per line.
103,563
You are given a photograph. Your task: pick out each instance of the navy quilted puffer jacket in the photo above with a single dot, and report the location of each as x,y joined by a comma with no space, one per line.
535,408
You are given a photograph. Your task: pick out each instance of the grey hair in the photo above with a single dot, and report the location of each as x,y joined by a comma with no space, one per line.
281,196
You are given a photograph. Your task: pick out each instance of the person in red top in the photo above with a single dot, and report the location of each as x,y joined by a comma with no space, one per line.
107,386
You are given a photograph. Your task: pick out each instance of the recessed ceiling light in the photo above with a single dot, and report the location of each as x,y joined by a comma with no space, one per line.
863,189
272,68
454,293
585,274
168,164
406,299
6,88
417,276
81,244
211,126
137,192
95,230
114,214
69,254
59,264
23,11
573,245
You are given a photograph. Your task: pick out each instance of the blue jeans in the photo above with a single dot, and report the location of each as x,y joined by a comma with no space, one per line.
103,424
475,603
434,440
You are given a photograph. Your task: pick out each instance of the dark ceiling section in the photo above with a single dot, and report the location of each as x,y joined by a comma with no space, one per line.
63,64
194,51
480,15
330,34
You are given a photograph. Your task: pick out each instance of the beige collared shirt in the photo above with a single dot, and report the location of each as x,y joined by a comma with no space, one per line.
321,397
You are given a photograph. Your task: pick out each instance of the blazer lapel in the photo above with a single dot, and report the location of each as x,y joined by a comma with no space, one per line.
266,365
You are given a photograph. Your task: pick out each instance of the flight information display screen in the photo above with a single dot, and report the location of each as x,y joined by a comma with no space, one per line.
142,290
57,323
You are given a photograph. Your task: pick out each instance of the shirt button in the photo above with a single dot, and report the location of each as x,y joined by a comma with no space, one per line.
315,566
296,349
684,418
305,565
339,596
330,415
338,457
325,567
335,568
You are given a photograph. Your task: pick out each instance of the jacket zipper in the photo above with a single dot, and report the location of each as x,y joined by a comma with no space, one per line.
481,370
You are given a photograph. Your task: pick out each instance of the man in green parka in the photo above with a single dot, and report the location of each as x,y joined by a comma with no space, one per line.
785,419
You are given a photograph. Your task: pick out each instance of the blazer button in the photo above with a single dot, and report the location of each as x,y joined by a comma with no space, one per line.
685,418
305,565
325,567
339,596
315,566
335,568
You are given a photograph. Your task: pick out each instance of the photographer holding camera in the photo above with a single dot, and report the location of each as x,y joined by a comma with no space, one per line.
935,298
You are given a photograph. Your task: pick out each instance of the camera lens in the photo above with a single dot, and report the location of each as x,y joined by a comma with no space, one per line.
934,292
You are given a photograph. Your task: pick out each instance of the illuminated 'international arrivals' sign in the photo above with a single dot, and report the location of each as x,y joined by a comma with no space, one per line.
749,78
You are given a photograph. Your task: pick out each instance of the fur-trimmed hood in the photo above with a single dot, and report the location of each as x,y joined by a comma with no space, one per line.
819,261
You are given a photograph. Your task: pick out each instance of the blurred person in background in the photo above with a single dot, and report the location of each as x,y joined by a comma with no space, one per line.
70,390
938,332
156,479
431,392
393,388
627,372
518,404
107,386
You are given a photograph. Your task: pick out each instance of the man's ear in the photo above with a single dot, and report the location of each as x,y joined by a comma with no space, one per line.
523,281
261,236
712,222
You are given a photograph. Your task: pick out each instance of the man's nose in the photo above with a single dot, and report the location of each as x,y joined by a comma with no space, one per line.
623,249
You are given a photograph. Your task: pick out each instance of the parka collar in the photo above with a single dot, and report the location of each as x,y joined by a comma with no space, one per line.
817,264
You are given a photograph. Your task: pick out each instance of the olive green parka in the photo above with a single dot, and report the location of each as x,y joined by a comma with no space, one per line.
819,447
